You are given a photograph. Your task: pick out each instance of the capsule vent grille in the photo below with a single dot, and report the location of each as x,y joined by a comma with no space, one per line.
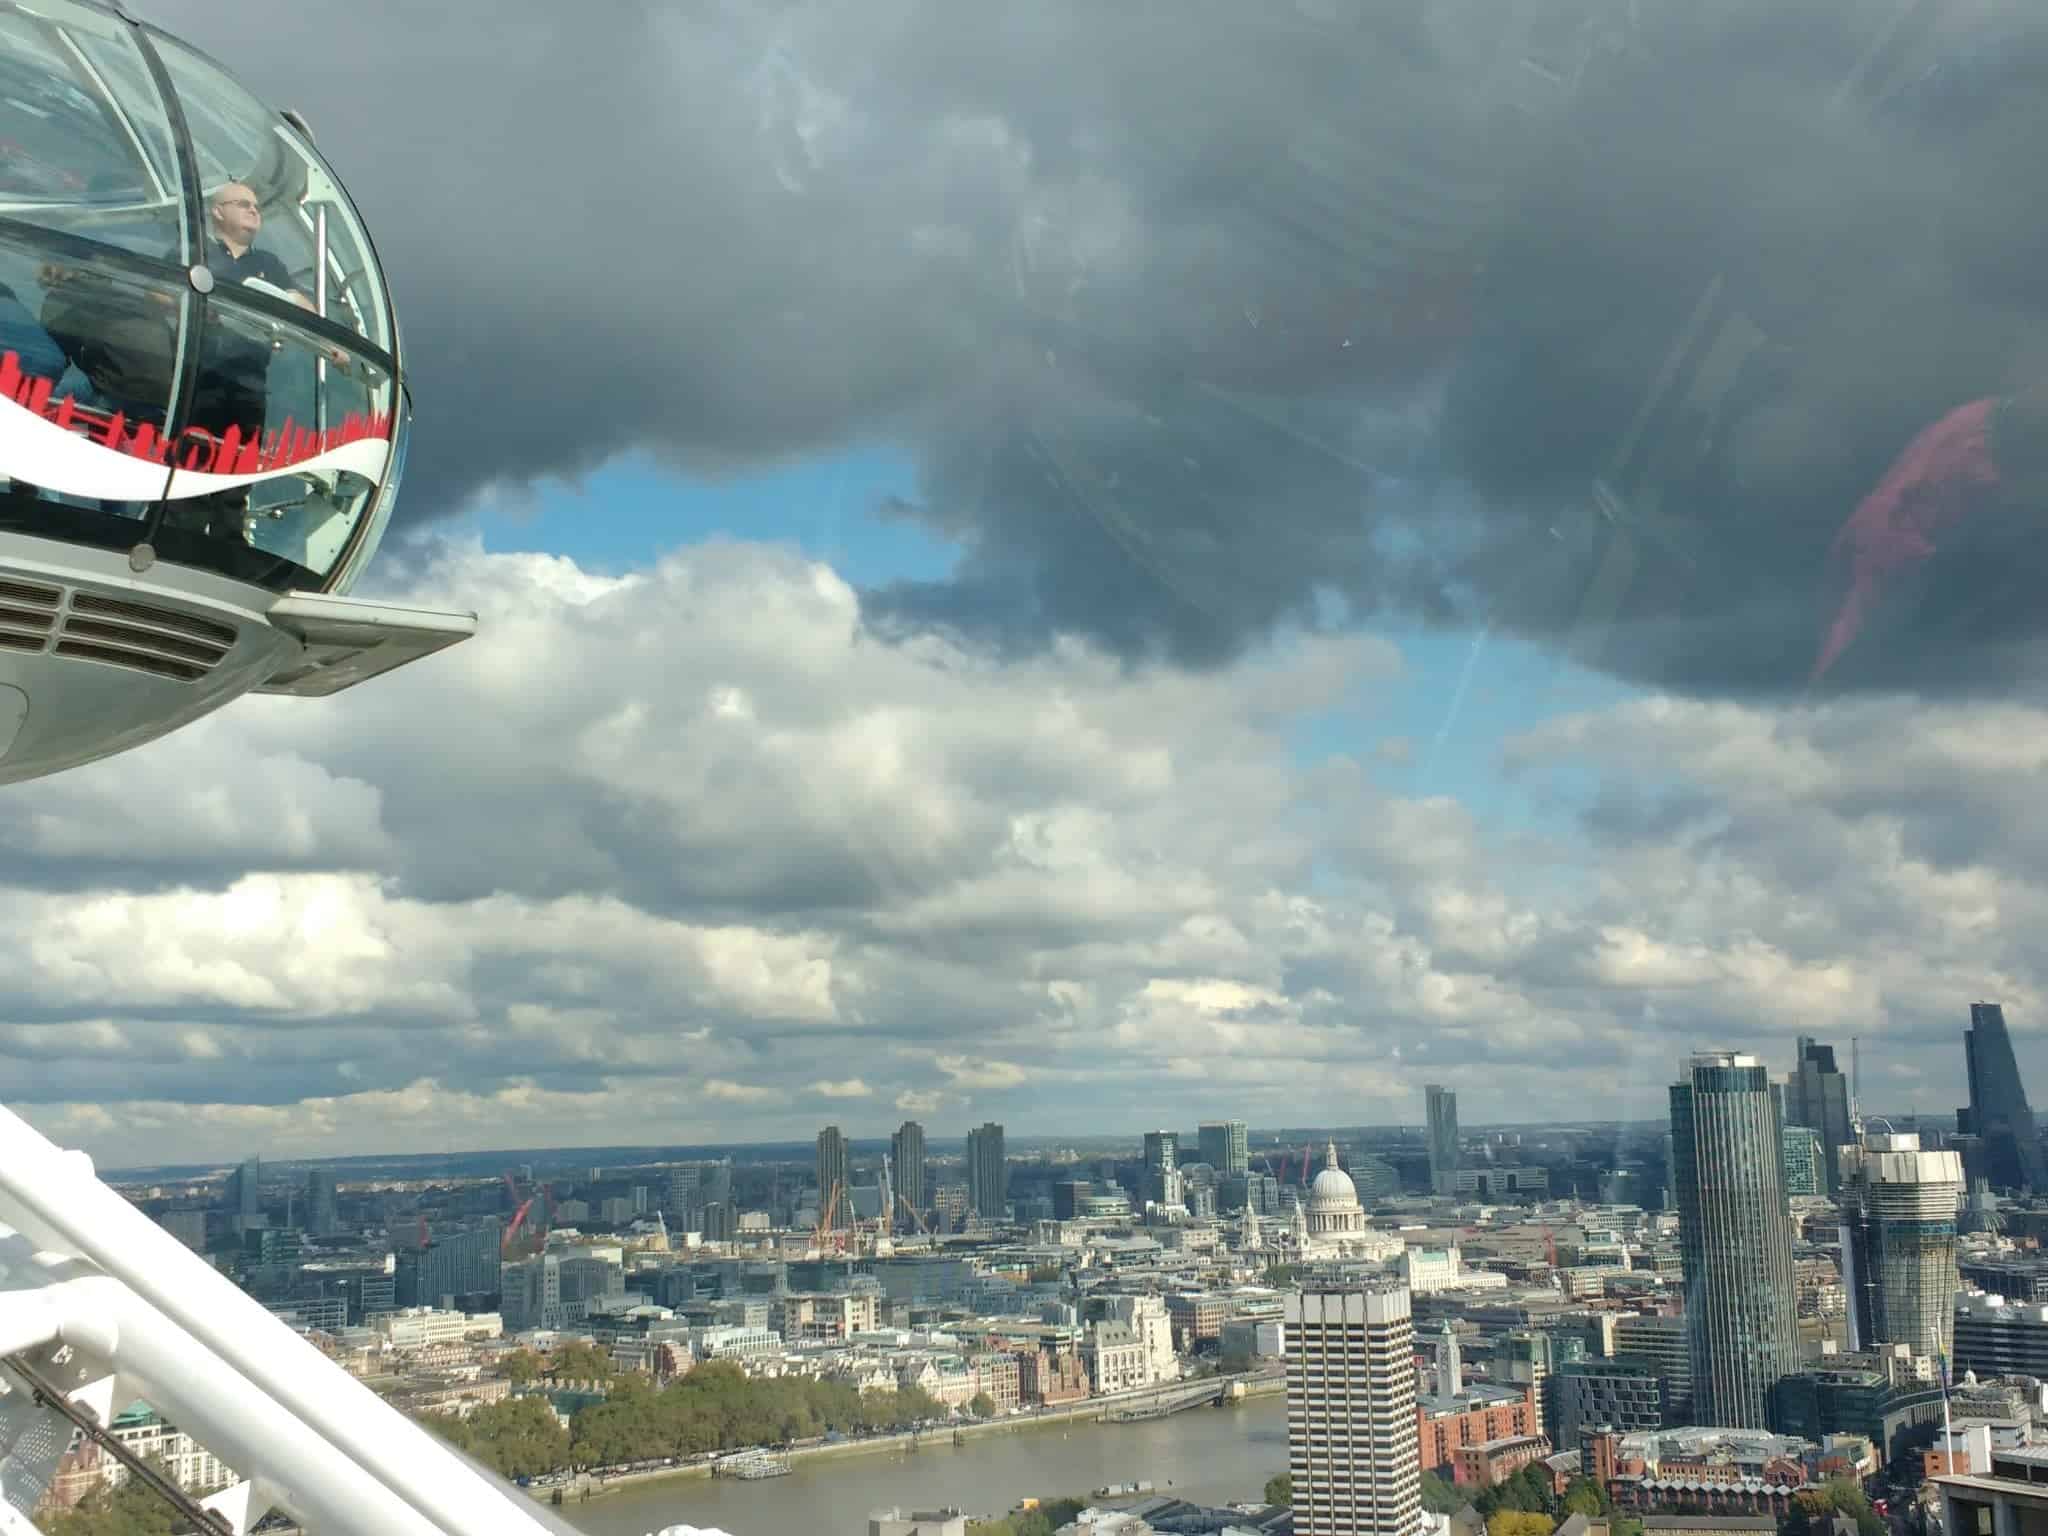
38,616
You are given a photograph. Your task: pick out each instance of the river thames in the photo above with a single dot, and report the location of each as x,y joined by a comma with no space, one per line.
1211,1455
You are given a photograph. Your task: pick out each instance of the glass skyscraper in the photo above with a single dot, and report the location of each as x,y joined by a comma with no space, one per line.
1734,1237
1817,1095
1443,1139
1225,1146
1999,1115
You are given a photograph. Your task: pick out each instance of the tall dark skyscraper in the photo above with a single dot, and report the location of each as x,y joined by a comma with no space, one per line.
1998,1114
834,1176
322,1218
906,1155
1817,1096
245,1196
1162,1149
1734,1237
988,1174
1443,1139
1226,1147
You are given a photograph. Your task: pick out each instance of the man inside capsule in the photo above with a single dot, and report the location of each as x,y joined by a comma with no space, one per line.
234,369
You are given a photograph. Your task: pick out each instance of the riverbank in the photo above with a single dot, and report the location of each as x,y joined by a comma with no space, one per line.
589,1487
1210,1456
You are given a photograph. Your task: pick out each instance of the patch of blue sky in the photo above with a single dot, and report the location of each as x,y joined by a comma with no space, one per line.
1440,725
632,511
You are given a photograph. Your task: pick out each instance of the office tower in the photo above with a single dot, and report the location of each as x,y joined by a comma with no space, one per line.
1351,1439
988,1175
1067,1195
951,1202
1899,1243
1626,1395
906,1156
835,1180
1659,1342
1160,1184
1817,1095
1443,1139
1162,1149
1734,1238
245,1196
322,1216
721,1221
1805,1170
453,1266
1998,1114
683,1197
1226,1147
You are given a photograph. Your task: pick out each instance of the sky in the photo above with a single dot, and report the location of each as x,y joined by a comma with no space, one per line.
1106,567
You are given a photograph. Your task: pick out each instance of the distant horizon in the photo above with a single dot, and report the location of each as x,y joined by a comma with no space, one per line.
1291,1137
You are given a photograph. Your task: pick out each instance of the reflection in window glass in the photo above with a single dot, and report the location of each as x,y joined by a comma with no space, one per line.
85,145
290,438
88,358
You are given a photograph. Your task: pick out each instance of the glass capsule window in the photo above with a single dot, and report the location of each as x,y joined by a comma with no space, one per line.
197,347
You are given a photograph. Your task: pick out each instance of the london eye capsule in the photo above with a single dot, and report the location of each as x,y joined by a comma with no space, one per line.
203,406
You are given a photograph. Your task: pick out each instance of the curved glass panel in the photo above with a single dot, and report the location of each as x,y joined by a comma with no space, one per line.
352,293
85,143
89,356
270,200
286,441
344,577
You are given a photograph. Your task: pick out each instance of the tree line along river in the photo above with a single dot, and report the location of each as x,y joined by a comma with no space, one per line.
1210,1455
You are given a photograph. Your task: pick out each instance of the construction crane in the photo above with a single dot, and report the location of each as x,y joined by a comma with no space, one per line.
524,1233
828,1222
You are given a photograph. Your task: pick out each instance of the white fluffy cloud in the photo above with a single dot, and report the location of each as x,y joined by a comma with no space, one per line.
691,855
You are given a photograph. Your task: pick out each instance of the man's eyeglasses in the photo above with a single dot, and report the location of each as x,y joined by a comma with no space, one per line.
249,203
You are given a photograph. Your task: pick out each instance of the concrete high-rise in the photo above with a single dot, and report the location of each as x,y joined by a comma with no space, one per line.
1734,1237
1817,1095
1999,1115
1352,1447
1899,1243
906,1156
1225,1146
1443,1139
835,1184
988,1174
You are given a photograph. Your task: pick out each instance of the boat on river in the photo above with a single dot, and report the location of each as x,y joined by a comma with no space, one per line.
751,1466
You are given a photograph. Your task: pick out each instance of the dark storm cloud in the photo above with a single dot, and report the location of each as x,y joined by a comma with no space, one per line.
1588,319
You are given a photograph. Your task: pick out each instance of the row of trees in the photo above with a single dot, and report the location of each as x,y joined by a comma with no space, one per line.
130,1510
1526,1504
717,1407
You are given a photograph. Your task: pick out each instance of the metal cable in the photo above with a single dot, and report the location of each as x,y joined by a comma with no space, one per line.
49,1395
